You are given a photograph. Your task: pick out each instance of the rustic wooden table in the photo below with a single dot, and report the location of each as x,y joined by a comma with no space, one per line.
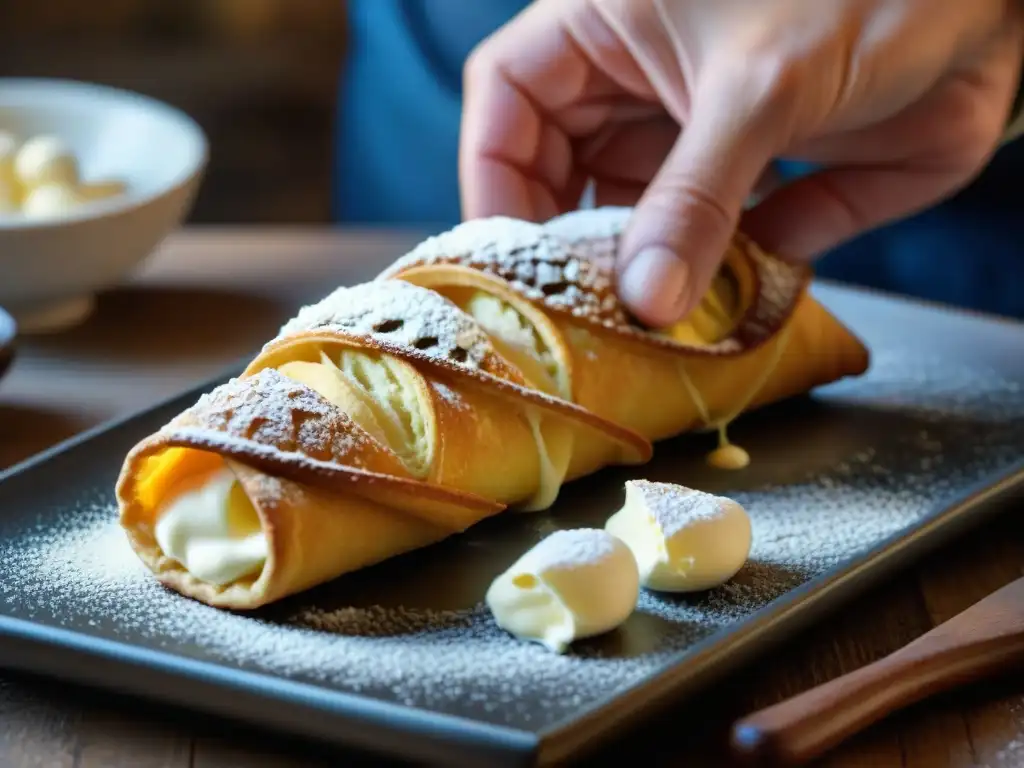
211,297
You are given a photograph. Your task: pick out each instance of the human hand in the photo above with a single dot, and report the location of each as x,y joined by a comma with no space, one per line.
902,101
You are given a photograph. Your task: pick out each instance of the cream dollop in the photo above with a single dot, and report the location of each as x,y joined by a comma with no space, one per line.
571,585
213,531
46,159
515,338
683,540
728,456
40,178
51,199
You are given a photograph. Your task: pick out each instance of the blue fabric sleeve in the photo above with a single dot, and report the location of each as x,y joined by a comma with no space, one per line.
396,158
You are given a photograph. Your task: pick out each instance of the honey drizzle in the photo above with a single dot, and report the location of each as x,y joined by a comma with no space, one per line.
728,454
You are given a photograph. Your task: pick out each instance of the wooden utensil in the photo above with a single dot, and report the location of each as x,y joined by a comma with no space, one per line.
8,330
985,639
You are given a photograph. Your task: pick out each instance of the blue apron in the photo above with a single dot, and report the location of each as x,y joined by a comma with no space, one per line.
396,162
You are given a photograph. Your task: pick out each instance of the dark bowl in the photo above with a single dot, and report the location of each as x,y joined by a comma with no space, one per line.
8,330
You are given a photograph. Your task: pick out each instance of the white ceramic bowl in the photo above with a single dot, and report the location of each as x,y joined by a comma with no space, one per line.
51,269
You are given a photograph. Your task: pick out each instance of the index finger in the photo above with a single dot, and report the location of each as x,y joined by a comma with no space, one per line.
514,159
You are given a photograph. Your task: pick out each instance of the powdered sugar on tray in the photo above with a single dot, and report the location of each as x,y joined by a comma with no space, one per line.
951,428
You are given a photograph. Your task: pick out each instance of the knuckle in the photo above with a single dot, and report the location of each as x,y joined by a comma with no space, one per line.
480,64
765,77
846,209
777,75
682,200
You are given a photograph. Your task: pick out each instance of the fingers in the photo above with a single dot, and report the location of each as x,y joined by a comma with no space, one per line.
538,92
930,127
513,159
819,212
683,223
623,158
632,150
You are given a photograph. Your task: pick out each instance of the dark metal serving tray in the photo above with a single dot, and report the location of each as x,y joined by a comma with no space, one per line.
403,660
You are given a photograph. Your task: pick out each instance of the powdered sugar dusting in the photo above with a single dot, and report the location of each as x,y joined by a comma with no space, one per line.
570,548
397,314
597,234
596,229
384,634
274,411
675,506
415,656
451,398
567,265
535,263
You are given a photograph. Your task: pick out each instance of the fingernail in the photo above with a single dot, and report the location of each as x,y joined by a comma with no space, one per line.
654,285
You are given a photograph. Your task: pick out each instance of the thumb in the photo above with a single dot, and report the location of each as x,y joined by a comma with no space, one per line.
681,227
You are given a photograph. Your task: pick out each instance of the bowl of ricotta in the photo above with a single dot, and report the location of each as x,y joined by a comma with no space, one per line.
92,180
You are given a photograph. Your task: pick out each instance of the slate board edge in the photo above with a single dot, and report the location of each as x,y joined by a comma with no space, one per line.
335,717
730,647
436,736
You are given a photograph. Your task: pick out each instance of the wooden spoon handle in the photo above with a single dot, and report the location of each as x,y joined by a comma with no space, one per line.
801,728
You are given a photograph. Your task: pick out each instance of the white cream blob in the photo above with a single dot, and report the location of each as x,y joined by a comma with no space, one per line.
554,441
40,178
213,531
50,200
571,585
46,159
683,540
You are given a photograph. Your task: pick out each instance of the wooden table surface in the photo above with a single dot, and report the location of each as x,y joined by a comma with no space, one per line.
211,297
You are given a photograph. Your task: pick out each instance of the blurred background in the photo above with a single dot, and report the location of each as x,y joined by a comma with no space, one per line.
260,77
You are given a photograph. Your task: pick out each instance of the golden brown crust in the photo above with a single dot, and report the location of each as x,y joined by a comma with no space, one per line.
458,351
285,443
284,429
439,277
331,498
560,276
308,530
273,413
